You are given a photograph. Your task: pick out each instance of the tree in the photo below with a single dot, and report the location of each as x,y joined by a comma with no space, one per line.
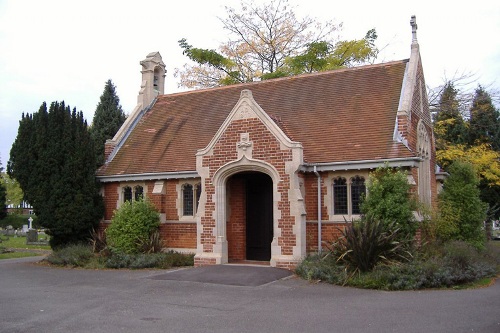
3,195
270,41
389,200
53,160
449,126
108,118
461,211
15,194
484,120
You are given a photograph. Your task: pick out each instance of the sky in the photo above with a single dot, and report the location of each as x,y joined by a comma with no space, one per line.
66,50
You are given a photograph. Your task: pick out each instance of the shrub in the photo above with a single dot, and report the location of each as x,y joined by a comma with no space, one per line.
153,244
73,255
440,266
390,201
366,243
132,225
150,260
461,211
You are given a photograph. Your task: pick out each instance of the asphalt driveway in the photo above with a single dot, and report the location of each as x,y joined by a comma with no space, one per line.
35,298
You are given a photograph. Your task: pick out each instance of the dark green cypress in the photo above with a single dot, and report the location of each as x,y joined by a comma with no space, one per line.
449,116
53,159
484,120
108,118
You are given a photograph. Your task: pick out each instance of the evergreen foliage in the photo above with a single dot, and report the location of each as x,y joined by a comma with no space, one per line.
449,125
461,211
108,118
484,120
132,226
389,200
53,160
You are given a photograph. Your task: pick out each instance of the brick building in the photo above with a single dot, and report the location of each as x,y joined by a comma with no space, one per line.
249,171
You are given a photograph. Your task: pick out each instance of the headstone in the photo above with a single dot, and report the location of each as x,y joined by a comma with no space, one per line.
32,236
10,230
30,220
25,228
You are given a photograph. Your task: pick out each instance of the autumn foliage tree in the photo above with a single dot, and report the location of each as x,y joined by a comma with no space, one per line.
271,41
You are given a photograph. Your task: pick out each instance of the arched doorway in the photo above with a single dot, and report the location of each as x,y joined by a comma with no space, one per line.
250,216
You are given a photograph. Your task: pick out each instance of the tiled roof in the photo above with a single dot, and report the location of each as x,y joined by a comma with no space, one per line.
342,115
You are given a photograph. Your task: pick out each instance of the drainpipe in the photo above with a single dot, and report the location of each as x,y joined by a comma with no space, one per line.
319,209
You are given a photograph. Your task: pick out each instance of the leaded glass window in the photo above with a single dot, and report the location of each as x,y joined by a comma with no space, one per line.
340,196
358,190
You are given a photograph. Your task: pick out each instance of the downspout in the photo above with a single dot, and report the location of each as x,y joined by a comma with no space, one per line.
319,209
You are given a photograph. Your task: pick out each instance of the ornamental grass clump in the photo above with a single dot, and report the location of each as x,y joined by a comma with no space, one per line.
132,226
367,243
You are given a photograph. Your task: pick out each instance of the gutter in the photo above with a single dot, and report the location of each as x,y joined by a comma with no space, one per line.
358,165
148,176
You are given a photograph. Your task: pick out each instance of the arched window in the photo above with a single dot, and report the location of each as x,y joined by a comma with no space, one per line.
190,199
127,194
340,205
187,200
358,190
138,193
132,193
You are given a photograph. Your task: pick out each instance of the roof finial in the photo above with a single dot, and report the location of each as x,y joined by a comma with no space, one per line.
413,23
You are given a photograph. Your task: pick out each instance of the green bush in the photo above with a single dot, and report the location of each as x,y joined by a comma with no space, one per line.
461,211
389,200
73,255
132,226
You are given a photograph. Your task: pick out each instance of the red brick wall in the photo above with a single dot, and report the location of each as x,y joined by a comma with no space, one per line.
179,235
236,224
311,196
171,199
329,232
110,199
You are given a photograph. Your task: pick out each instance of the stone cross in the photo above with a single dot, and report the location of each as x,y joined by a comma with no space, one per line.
30,220
414,27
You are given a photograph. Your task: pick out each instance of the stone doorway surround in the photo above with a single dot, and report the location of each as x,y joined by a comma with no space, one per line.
250,141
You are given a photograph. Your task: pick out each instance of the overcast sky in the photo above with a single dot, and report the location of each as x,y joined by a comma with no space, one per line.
67,50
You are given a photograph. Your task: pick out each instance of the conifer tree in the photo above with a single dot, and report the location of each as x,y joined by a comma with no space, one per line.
449,125
484,120
108,118
53,160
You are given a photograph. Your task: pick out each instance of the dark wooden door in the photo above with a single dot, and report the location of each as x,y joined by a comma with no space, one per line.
259,216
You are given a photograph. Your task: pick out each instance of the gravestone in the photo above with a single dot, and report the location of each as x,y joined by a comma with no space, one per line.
32,236
10,230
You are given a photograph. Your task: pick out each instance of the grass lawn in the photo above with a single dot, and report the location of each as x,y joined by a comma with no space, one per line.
20,243
12,255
